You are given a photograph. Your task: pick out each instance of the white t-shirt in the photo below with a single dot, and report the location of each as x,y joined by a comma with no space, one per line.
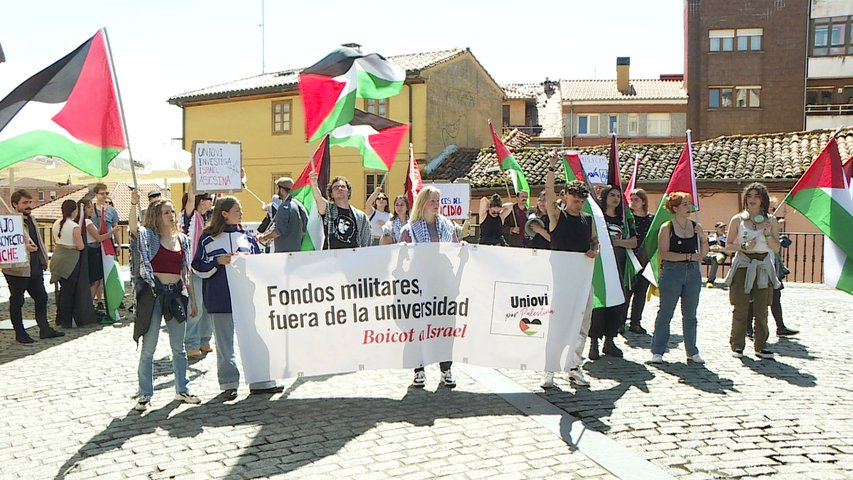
377,220
89,239
66,236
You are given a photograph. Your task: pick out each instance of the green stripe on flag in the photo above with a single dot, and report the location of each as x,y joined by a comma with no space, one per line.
519,180
831,214
372,86
87,158
313,239
340,115
650,244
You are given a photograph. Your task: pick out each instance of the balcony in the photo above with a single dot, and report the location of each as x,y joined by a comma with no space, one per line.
533,131
837,109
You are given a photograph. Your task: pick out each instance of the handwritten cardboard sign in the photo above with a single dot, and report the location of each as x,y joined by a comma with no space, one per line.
13,247
455,199
218,166
596,168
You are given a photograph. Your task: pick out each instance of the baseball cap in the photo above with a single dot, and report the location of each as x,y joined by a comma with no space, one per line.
154,193
285,182
719,224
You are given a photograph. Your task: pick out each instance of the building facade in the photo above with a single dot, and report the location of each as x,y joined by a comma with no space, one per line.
829,88
745,68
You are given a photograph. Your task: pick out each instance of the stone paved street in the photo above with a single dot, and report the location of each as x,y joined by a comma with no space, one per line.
67,412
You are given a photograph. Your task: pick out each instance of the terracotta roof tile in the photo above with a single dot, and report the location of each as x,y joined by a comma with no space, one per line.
287,79
119,192
549,105
776,156
583,90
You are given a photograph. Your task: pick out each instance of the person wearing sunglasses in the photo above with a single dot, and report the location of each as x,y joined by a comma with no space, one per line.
345,225
378,213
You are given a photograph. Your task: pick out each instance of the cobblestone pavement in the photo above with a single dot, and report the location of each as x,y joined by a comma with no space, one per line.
67,412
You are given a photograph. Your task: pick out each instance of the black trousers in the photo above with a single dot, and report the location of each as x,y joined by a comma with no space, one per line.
637,298
34,285
606,321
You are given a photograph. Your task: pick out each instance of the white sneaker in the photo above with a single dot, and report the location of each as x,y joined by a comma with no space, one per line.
142,403
547,380
420,379
695,359
656,358
577,377
765,354
447,379
186,397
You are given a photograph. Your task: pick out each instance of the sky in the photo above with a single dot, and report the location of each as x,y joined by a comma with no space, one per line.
163,48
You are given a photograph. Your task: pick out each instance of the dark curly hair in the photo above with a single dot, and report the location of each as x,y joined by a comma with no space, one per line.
576,188
496,201
761,189
335,180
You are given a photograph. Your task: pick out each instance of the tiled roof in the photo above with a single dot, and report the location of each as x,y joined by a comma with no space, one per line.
287,79
777,156
549,105
585,90
521,91
26,182
119,192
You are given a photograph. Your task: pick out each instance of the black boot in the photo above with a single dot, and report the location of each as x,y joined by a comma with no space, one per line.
593,349
610,348
785,331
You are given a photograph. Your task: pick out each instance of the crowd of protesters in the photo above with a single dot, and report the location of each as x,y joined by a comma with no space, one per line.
179,260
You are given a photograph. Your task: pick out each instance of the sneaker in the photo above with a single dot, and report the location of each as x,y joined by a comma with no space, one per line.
447,379
710,285
750,335
765,354
25,338
420,379
230,394
205,348
657,358
51,334
610,348
142,403
194,353
270,390
695,359
186,397
738,353
577,377
547,380
785,331
638,329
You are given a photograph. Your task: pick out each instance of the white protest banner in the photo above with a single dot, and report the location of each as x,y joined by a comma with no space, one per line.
596,168
13,248
218,166
455,199
402,306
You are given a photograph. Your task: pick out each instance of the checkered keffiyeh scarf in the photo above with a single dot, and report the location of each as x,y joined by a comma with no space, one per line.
420,230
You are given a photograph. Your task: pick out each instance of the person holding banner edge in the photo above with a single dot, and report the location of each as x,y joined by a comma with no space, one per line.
223,238
572,230
427,225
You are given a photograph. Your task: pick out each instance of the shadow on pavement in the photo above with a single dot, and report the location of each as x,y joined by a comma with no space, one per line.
791,347
697,376
782,371
294,432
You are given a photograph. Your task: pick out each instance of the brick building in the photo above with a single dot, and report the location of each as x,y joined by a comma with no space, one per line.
829,88
745,68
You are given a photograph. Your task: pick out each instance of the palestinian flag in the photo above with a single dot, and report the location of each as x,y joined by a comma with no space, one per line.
607,286
632,182
509,163
377,138
113,285
824,197
614,178
682,180
303,192
413,184
69,110
329,87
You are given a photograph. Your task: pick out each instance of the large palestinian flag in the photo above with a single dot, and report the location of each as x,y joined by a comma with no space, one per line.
303,192
606,284
509,163
682,180
113,285
69,110
377,138
329,87
614,178
824,197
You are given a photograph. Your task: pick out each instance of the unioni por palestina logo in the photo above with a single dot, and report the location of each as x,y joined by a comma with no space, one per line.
521,309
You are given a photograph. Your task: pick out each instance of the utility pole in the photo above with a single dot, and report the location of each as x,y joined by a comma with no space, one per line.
263,40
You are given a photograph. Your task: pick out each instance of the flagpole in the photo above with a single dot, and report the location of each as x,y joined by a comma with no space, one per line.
692,171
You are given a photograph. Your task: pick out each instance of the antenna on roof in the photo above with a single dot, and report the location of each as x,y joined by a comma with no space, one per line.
263,40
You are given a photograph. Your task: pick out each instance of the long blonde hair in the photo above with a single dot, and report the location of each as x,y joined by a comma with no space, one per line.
421,201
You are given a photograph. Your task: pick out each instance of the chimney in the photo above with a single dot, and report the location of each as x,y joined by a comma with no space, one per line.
623,65
355,46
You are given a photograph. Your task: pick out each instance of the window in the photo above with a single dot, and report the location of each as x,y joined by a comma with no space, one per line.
720,97
819,96
721,40
831,36
747,97
281,116
41,196
276,175
506,115
749,39
376,107
587,124
658,125
612,124
371,181
53,195
633,125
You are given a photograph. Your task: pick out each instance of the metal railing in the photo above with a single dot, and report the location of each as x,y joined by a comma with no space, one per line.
534,131
124,242
837,109
804,259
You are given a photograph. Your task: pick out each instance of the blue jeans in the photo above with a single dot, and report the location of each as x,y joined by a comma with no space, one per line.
176,330
199,327
677,280
226,358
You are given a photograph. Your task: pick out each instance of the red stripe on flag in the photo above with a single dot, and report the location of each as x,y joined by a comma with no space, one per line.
387,142
319,95
500,148
107,244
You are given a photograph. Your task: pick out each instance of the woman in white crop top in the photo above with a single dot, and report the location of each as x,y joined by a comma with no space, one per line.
377,211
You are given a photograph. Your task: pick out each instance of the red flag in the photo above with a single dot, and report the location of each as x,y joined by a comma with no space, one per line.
632,182
848,171
107,244
683,178
414,184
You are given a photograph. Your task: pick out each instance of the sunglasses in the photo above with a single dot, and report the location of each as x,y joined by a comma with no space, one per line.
342,187
382,198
